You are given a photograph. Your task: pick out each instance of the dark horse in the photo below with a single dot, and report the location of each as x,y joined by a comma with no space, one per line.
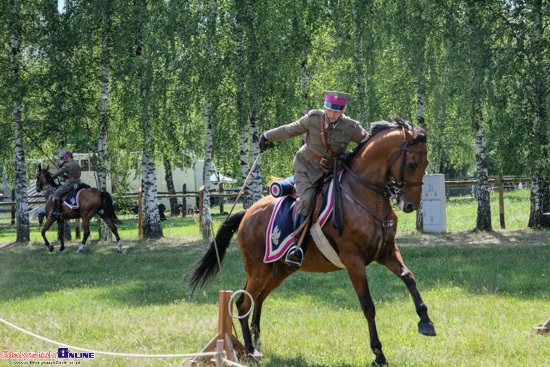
91,202
394,150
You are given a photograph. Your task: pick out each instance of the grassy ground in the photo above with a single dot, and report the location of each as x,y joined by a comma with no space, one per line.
485,291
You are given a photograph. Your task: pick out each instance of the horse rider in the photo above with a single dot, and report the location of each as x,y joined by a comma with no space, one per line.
71,170
328,133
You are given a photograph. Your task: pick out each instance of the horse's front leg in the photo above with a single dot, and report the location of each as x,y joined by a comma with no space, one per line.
47,226
395,263
60,234
358,276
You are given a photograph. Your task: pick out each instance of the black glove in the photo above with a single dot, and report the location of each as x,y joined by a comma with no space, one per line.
265,144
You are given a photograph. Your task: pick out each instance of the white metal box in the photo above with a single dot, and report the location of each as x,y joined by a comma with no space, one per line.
433,203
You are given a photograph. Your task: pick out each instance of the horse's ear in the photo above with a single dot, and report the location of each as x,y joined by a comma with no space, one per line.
425,128
397,120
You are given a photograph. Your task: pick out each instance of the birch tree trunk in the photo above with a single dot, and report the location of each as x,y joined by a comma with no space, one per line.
171,189
358,60
420,119
540,184
257,189
245,167
22,205
206,218
103,120
255,104
152,227
242,120
482,173
305,83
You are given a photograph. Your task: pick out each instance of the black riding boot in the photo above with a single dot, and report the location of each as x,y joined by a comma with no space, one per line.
56,213
295,255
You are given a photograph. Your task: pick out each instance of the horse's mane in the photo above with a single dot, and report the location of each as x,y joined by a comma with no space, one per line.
49,178
419,136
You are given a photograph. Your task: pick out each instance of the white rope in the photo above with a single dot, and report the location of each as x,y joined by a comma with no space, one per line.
109,353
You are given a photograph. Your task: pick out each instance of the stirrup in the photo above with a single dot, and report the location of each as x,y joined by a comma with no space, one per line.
298,256
56,214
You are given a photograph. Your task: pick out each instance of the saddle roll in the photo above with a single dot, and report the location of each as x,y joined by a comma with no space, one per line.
282,187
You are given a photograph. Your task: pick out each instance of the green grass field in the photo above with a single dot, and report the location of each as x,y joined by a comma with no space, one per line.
484,291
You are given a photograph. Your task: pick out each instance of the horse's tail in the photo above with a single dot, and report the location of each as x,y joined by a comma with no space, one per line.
207,267
108,207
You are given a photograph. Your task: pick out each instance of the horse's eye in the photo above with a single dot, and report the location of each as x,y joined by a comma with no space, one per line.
412,166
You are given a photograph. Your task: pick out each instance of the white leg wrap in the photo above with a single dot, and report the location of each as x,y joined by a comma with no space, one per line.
80,248
119,245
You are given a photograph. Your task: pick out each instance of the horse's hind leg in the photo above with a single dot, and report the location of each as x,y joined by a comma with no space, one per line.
279,274
113,229
86,227
60,234
395,263
254,285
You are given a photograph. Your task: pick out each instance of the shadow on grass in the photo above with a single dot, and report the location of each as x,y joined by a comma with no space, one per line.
145,275
297,361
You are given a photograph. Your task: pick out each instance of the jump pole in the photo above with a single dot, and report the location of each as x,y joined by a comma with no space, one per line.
232,346
542,328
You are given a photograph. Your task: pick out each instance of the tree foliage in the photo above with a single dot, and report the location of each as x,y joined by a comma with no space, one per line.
268,62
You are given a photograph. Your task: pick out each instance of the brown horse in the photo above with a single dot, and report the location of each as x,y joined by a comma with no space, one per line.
368,181
91,202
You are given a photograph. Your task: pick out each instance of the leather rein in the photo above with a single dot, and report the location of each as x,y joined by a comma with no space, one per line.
390,188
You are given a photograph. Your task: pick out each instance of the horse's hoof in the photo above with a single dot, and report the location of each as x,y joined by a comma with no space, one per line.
50,248
60,251
427,329
380,363
257,355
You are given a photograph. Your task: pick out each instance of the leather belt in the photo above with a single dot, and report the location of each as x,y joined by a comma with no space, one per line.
323,161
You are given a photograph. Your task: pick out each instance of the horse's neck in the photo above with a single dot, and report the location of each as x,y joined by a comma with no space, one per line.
373,164
48,190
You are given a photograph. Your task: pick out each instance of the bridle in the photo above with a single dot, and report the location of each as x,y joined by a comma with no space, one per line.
391,188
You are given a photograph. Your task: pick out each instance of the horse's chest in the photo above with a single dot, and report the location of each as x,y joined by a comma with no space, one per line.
381,243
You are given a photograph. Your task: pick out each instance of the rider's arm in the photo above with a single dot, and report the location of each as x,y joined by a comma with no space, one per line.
61,171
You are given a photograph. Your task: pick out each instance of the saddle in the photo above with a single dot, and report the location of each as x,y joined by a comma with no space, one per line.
71,199
279,235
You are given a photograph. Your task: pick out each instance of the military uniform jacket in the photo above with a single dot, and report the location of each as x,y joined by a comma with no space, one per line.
71,169
338,137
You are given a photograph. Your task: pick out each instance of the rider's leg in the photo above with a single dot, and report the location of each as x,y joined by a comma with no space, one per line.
306,193
61,190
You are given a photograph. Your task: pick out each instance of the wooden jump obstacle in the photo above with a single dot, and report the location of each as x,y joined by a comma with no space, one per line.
542,328
232,346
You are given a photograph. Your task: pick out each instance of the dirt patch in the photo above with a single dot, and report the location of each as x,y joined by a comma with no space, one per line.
474,238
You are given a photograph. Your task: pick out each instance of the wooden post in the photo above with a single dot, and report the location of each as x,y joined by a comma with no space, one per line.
221,198
184,204
140,216
201,197
501,201
542,328
219,349
13,206
232,346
